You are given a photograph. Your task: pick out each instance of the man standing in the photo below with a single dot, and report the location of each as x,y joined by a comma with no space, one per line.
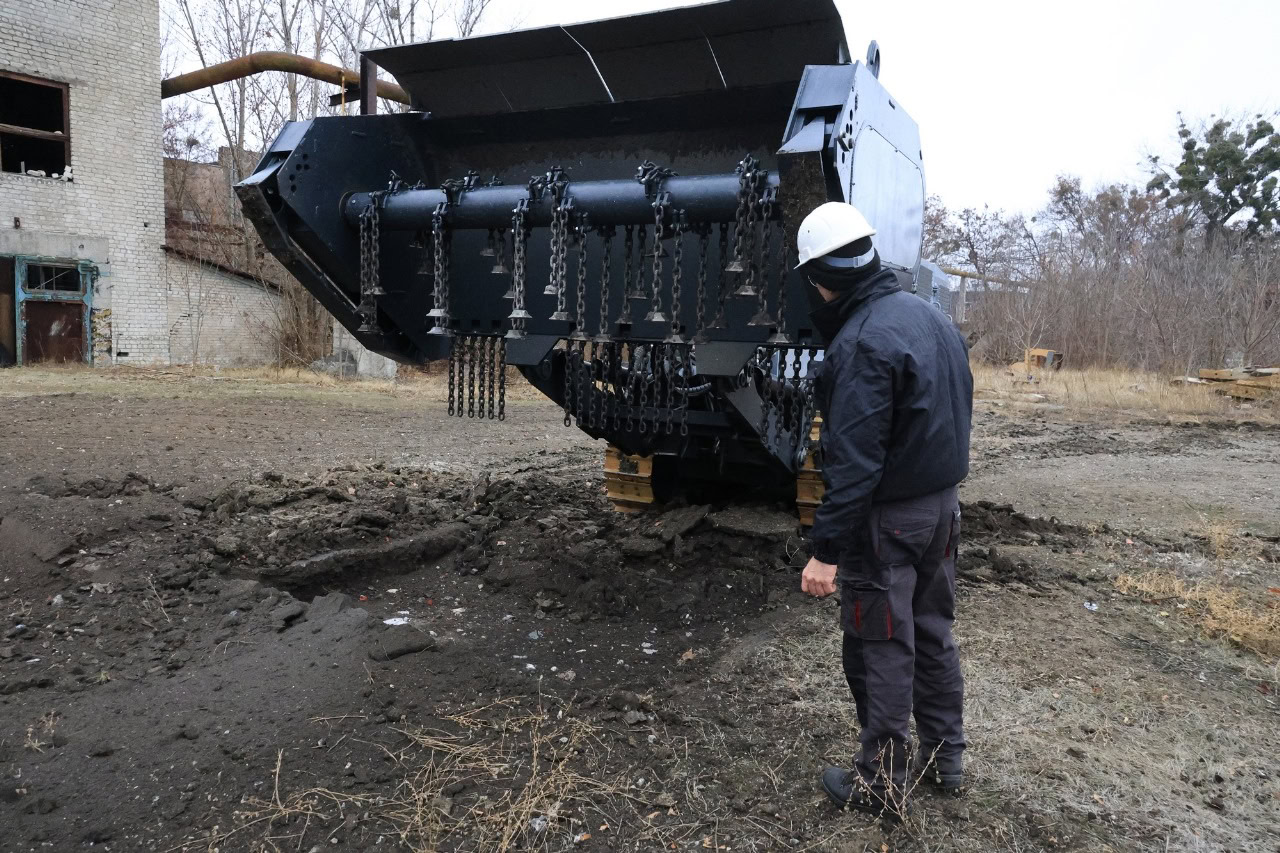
896,396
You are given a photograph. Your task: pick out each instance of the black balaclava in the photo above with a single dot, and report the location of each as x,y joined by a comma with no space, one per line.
845,268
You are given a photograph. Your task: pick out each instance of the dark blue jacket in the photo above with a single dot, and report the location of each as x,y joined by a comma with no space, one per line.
896,396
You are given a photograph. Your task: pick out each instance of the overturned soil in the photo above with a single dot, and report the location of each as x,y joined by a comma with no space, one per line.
409,632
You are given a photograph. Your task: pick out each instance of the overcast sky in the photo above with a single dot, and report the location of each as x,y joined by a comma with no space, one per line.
1010,94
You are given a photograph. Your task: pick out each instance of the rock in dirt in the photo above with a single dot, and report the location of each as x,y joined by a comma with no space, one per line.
414,549
18,685
396,644
678,522
286,613
635,718
328,606
226,545
641,546
760,522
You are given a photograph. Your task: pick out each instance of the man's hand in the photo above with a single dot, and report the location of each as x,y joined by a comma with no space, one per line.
819,578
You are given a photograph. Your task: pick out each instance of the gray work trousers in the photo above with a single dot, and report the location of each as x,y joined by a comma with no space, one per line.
897,606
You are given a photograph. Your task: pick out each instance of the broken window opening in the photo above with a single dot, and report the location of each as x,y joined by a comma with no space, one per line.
35,131
49,278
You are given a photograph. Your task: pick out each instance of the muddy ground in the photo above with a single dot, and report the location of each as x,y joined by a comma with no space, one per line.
248,616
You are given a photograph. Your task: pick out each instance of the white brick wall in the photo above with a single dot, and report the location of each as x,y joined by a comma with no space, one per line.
108,51
219,319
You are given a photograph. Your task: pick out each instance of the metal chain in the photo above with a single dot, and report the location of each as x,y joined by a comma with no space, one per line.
494,344
557,230
722,281
762,317
751,180
519,248
471,376
628,277
644,388
655,363
737,265
439,293
667,356
704,247
502,380
593,372
655,314
453,357
688,383
784,265
798,397
681,225
606,271
483,346
565,398
580,312
461,364
579,370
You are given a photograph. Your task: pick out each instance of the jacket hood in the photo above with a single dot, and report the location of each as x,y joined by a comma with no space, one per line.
830,317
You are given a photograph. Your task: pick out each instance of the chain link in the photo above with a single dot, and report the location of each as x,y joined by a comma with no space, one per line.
593,373
667,357
494,344
628,274
606,273
722,281
482,345
580,310
502,380
440,285
453,357
688,383
471,376
461,364
784,266
680,226
762,317
751,180
655,314
704,247
519,262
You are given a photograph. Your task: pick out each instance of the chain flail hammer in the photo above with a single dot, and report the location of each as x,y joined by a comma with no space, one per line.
606,273
581,230
520,243
679,226
440,286
661,205
779,337
768,201
628,274
753,179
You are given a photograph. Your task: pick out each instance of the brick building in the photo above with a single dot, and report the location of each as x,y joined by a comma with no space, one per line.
105,254
82,271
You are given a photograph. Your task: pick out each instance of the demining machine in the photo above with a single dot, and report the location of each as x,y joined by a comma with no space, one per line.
610,209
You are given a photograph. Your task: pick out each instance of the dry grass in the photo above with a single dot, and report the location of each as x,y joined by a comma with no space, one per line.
1219,610
425,385
533,778
1101,390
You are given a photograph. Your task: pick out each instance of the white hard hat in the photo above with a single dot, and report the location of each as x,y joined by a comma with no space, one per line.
831,226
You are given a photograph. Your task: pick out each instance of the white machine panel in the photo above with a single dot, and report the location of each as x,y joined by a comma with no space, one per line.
876,148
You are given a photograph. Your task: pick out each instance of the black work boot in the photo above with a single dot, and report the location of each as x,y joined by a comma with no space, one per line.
944,772
848,790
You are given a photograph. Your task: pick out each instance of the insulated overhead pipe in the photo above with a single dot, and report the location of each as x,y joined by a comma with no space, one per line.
273,60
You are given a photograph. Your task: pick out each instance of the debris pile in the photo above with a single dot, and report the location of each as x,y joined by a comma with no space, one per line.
1241,383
